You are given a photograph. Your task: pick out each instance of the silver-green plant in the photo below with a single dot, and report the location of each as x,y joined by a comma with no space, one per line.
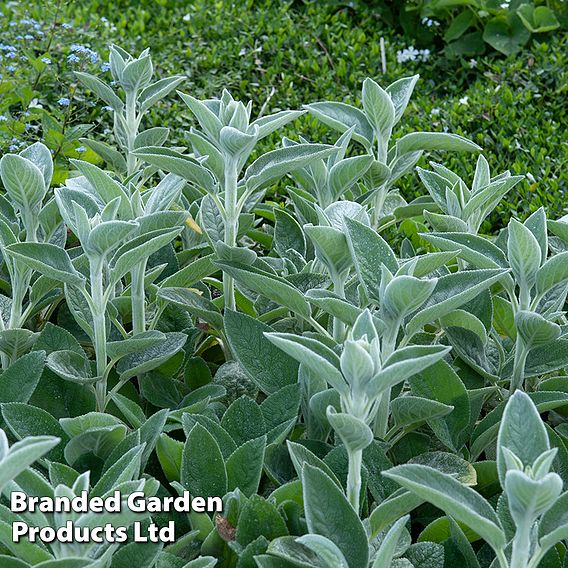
134,77
111,249
373,128
535,289
122,476
464,208
329,180
532,497
26,215
361,377
221,148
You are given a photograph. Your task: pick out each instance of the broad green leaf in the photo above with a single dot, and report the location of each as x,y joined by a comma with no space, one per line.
329,514
130,254
392,508
182,165
454,498
538,19
354,433
441,383
22,454
380,112
400,92
411,411
48,259
552,272
430,141
319,358
244,466
23,181
259,517
405,294
553,526
107,236
330,246
203,470
71,366
267,365
524,254
105,186
535,330
476,250
521,431
451,292
157,91
19,380
243,420
118,349
151,357
332,304
347,172
369,251
403,364
205,116
277,163
326,550
40,155
301,455
194,303
272,122
102,90
387,550
342,117
273,287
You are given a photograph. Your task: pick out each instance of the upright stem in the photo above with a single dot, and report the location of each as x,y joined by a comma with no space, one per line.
518,377
99,330
338,325
380,197
354,478
521,547
231,226
138,299
132,124
381,426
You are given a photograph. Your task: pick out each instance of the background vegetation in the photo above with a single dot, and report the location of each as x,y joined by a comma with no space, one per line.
281,55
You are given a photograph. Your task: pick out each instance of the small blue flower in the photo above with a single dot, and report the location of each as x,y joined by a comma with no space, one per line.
107,108
73,58
26,113
28,36
105,67
13,148
11,54
81,149
3,118
66,26
46,60
10,68
93,56
64,101
23,58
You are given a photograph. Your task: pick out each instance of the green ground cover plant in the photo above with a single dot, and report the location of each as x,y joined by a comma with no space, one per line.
324,313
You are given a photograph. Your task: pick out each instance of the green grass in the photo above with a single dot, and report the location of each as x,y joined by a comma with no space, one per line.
284,55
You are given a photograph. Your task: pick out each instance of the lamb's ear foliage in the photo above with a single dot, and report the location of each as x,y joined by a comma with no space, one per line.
532,492
280,347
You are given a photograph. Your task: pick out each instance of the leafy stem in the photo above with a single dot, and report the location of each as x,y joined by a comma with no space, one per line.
231,226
